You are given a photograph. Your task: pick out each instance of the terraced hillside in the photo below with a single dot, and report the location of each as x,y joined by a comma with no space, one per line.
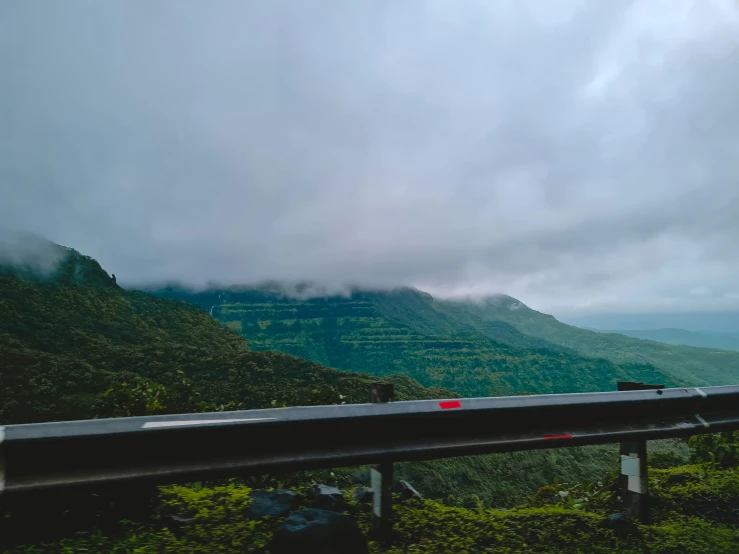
406,332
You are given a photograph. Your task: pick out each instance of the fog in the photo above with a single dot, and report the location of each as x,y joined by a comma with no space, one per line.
579,156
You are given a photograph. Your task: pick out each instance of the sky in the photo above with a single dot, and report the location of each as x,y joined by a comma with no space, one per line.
579,156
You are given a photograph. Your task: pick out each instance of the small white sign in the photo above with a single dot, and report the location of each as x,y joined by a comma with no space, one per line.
377,489
630,466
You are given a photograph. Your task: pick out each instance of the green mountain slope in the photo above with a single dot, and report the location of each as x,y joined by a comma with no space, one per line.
407,332
692,365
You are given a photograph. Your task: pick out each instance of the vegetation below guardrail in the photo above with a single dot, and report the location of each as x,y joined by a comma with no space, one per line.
695,510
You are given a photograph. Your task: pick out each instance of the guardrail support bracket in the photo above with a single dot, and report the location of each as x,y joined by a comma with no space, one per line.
382,477
633,478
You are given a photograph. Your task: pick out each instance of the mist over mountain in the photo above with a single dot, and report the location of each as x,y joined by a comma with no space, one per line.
27,250
530,148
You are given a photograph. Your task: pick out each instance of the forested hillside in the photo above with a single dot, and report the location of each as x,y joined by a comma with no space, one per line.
407,332
68,337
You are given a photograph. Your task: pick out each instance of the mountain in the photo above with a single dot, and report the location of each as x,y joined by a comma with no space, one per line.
74,345
688,364
35,258
406,331
722,341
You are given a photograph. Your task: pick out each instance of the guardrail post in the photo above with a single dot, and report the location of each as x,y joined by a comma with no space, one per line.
633,478
382,476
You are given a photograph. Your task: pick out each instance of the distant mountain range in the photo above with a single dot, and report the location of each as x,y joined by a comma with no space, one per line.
724,341
697,322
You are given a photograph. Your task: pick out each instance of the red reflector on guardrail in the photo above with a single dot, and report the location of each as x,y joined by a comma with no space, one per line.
550,437
449,405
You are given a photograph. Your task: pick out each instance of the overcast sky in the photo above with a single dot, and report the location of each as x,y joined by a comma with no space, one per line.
581,156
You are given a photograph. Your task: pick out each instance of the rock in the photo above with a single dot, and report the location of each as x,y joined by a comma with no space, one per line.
361,478
328,498
681,478
621,524
176,523
364,496
720,511
276,503
315,531
406,491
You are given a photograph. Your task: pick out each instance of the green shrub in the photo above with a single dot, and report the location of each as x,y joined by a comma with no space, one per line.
719,448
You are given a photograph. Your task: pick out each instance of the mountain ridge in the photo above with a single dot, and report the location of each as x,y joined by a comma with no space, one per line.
500,318
408,331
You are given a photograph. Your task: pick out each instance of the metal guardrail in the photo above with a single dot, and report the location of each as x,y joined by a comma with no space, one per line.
172,448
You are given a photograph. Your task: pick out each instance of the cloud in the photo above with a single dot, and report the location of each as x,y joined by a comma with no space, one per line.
18,249
577,155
